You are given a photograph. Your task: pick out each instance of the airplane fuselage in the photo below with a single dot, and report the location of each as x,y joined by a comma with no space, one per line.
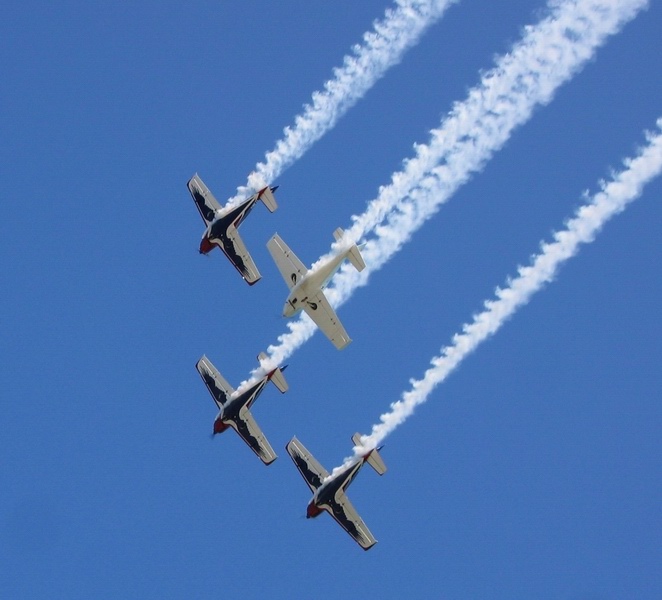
326,493
216,232
311,283
230,411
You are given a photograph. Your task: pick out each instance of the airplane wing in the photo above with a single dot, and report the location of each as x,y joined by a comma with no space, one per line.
203,198
218,387
343,512
236,251
310,469
290,267
319,310
248,429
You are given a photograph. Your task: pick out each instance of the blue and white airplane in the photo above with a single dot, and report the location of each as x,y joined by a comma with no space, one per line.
234,408
329,492
222,224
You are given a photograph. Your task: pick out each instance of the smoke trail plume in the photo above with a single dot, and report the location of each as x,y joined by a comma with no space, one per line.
400,29
614,196
548,55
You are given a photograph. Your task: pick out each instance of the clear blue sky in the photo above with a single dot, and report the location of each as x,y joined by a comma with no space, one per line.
533,472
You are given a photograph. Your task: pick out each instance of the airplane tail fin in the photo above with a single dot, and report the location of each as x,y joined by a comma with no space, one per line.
354,253
267,196
373,458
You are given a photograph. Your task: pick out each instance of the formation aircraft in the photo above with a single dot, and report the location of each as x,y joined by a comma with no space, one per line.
234,408
329,492
222,224
306,286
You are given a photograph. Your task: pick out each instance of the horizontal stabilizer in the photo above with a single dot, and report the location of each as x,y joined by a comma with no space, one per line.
279,381
373,458
354,253
276,376
354,256
267,196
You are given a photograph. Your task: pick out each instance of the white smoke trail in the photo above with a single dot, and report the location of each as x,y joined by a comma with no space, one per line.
548,55
613,198
400,29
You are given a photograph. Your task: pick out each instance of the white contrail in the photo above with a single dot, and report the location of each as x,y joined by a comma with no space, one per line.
548,54
613,197
400,29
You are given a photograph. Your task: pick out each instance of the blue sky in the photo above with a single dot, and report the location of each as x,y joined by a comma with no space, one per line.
533,471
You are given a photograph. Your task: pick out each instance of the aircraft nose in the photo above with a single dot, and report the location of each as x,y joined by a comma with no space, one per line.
205,245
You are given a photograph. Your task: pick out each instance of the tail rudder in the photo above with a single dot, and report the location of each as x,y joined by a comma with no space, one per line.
373,458
267,196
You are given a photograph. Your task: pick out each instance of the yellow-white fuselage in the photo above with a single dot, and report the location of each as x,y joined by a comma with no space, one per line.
314,281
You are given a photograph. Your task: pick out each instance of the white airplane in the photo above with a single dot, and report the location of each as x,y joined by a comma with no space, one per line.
306,286
234,409
329,493
222,224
